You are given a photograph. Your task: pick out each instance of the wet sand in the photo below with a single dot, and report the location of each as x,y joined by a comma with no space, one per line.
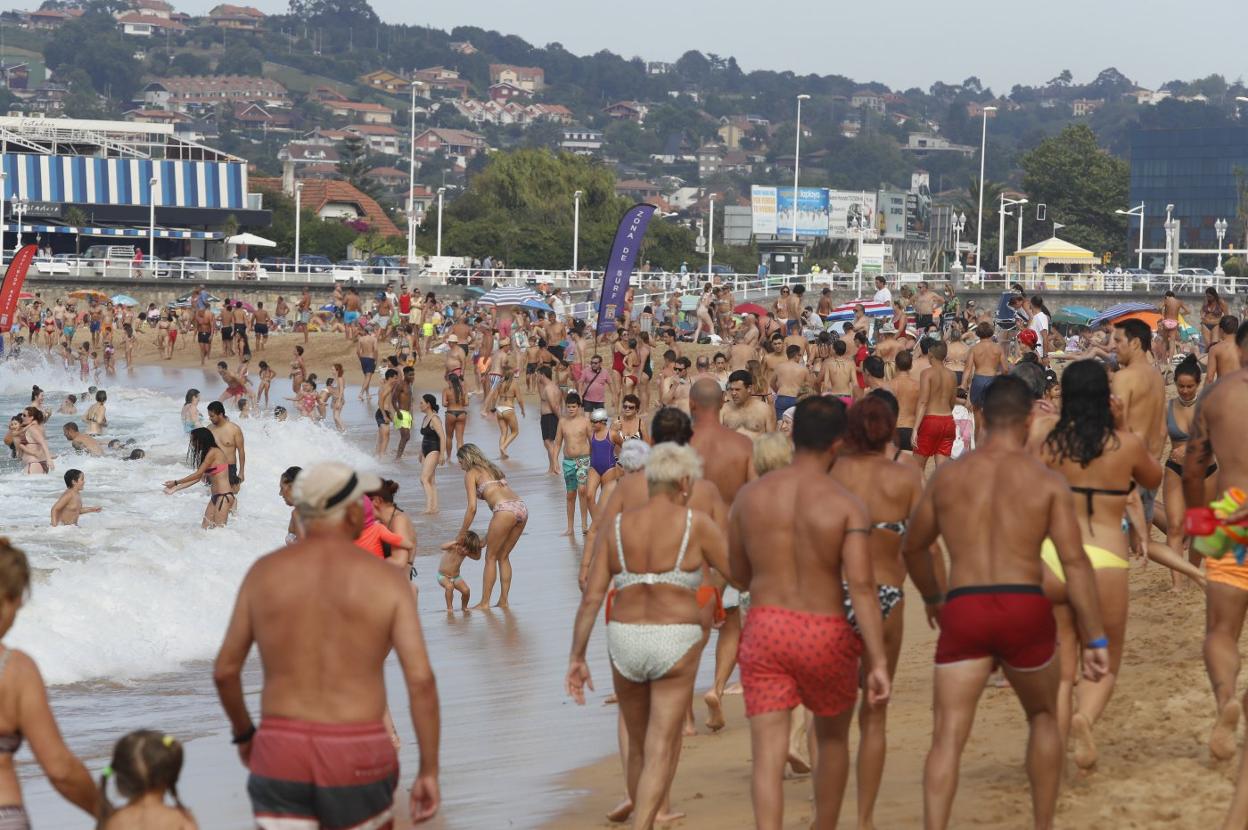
1154,770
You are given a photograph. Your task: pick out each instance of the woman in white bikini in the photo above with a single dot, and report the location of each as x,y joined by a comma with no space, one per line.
654,556
506,400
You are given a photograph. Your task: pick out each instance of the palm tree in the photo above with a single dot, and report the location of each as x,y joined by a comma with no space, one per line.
76,218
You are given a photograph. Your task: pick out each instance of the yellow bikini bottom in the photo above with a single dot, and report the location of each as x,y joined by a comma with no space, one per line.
1100,558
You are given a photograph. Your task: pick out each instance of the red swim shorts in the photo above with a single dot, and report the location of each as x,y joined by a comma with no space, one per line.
936,434
308,775
1013,623
790,657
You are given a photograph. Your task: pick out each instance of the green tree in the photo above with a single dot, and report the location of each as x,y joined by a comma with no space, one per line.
93,44
354,163
968,203
1082,185
240,59
189,63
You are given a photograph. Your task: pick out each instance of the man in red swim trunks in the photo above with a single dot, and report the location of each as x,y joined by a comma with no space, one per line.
938,387
994,507
792,534
325,617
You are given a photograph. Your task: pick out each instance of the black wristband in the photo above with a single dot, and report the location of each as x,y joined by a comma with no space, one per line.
245,737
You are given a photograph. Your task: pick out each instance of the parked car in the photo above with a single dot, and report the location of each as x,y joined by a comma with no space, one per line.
1195,272
277,263
384,265
188,267
315,264
350,263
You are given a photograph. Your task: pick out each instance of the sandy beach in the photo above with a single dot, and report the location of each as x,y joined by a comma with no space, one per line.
1154,770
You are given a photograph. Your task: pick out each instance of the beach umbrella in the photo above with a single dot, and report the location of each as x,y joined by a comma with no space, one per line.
25,295
1114,312
508,295
1075,315
124,299
537,305
89,294
845,311
750,308
250,239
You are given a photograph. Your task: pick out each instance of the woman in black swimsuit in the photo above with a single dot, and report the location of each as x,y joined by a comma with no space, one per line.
455,401
24,709
210,464
890,489
1180,412
432,439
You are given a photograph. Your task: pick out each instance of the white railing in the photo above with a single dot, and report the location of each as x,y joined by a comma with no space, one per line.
81,268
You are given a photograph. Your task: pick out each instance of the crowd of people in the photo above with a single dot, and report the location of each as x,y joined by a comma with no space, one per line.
770,488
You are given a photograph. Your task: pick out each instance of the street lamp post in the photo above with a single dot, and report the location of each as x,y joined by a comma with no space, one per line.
576,229
710,241
298,218
151,219
1006,202
411,183
979,223
797,155
955,271
1170,246
441,190
4,226
1220,228
1139,248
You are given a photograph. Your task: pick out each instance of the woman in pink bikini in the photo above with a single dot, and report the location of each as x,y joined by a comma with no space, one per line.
210,462
483,480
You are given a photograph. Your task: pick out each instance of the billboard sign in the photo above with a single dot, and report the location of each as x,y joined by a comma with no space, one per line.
849,210
890,217
871,258
763,209
919,205
809,211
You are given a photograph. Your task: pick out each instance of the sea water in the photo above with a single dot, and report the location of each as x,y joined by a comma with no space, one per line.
128,609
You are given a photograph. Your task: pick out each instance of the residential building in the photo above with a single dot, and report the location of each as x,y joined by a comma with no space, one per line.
865,98
139,24
194,92
556,113
627,111
732,128
974,109
1084,106
387,81
503,92
528,78
304,153
736,161
710,157
659,68
153,8
326,95
364,112
380,138
441,79
1196,170
330,199
49,19
242,18
252,115
390,177
450,142
923,143
639,189
1147,97
422,198
463,47
581,140
14,76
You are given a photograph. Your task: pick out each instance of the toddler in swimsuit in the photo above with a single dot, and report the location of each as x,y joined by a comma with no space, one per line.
448,569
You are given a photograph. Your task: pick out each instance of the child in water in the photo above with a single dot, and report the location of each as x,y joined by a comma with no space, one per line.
448,569
145,767
69,506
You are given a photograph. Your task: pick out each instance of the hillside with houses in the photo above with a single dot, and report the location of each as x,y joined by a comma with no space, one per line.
329,92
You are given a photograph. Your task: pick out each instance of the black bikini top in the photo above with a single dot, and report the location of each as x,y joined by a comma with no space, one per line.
1089,492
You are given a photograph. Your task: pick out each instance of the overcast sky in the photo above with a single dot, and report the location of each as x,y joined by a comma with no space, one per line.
902,43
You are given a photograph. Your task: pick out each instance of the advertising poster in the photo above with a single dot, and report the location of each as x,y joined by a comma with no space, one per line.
809,211
919,205
890,216
763,210
849,210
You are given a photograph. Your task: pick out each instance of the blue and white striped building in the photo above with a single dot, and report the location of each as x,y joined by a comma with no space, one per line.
113,172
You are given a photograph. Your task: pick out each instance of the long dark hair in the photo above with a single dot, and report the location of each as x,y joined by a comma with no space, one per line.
457,385
201,441
1086,426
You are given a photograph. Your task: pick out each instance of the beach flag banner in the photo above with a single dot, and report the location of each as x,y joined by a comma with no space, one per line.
619,268
12,285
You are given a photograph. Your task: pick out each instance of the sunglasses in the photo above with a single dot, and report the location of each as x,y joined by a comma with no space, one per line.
629,406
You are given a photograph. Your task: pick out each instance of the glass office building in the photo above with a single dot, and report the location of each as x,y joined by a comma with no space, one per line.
1195,170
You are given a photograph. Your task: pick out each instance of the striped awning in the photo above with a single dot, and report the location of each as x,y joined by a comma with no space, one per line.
162,233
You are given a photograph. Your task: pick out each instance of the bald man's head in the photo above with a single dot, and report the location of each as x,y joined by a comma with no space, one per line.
705,395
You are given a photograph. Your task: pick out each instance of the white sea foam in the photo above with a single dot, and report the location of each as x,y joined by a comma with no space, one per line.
140,589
